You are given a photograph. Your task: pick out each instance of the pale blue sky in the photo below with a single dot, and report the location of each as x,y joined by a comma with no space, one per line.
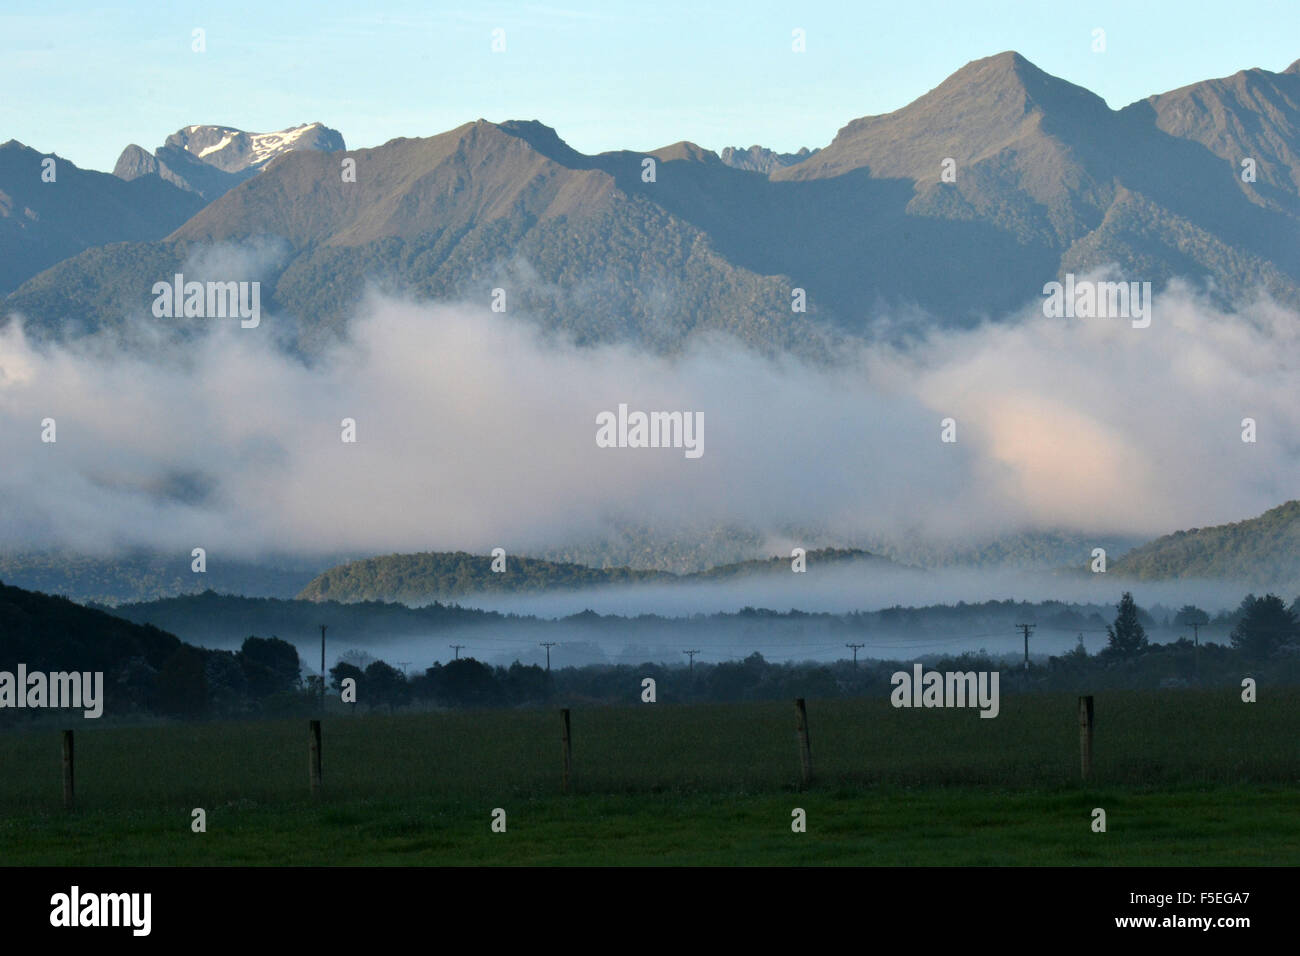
84,79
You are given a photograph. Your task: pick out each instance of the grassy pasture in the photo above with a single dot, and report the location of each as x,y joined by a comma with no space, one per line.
1186,776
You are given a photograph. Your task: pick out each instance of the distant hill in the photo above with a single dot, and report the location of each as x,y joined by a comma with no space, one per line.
1024,550
50,634
631,545
1261,552
147,670
441,576
634,552
143,576
53,633
224,620
42,223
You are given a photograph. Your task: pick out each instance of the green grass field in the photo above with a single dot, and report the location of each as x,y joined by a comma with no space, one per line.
1186,778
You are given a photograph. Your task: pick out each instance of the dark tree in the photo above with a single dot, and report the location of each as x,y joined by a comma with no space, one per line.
527,683
1126,636
183,684
226,680
1264,625
270,665
736,680
465,682
385,685
341,672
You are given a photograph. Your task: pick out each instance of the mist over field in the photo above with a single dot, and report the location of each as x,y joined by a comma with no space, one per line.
466,441
649,625
663,642
832,589
840,590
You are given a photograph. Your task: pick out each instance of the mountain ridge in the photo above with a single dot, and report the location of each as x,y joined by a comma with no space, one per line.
45,222
441,576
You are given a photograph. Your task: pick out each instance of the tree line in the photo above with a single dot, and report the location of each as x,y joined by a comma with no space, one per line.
149,671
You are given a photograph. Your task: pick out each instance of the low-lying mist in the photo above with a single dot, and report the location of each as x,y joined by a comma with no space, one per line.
844,589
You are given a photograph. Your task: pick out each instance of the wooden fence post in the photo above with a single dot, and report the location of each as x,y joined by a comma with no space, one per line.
805,751
567,743
68,791
313,758
1085,736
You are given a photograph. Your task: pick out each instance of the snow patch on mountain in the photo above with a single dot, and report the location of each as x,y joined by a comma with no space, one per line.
234,150
210,160
225,141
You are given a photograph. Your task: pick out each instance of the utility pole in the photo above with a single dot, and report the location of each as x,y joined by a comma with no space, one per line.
1196,637
855,653
691,655
322,665
456,648
1026,628
548,645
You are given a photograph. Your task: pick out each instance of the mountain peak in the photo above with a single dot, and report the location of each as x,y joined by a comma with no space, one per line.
685,150
1009,74
210,160
987,106
1293,68
135,162
1006,60
544,139
234,150
760,159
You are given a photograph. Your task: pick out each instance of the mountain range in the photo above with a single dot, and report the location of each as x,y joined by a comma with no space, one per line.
1046,179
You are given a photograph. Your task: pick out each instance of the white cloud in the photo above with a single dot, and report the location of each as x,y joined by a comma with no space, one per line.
475,432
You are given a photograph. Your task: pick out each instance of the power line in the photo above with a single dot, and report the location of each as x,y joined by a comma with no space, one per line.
456,648
548,645
855,653
691,654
